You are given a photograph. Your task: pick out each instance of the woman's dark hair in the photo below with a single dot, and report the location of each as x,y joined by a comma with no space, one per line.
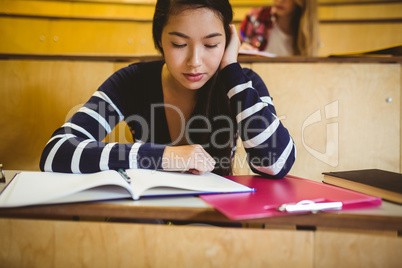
165,8
212,102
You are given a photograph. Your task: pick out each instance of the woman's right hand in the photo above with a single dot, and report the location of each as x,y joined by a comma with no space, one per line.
232,50
188,157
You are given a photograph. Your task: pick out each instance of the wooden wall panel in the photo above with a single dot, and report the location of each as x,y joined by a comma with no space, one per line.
356,37
77,9
24,35
38,97
138,11
337,114
121,27
28,35
100,244
105,37
374,11
38,8
97,244
356,249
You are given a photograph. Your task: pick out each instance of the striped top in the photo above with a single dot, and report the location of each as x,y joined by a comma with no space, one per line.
134,94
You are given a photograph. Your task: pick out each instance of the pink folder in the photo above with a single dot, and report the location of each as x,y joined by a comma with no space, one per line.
271,193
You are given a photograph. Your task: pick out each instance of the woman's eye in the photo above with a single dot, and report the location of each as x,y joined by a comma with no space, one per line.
178,45
211,46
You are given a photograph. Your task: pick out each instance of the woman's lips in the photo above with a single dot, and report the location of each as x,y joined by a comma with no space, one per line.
194,77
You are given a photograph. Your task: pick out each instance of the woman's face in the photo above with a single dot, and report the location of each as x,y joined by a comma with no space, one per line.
284,7
193,44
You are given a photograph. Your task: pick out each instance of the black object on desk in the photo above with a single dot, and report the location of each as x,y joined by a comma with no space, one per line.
2,175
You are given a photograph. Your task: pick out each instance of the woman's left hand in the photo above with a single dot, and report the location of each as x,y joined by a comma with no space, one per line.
232,50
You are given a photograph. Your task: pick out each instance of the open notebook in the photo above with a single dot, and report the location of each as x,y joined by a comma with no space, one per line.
36,188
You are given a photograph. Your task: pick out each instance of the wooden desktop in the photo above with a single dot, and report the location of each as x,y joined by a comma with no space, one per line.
121,233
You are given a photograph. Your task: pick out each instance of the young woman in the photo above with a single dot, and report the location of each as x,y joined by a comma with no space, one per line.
289,27
185,112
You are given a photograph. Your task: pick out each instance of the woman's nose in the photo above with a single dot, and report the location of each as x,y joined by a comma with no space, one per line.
194,58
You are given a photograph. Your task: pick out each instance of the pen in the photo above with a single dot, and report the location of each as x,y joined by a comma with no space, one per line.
173,169
308,205
123,173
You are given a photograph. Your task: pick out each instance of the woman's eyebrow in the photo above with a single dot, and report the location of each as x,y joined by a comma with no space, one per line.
187,37
213,35
179,34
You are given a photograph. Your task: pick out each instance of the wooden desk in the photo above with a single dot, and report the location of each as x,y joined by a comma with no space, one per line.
52,236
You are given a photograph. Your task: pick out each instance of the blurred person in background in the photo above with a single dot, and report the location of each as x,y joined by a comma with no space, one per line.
288,28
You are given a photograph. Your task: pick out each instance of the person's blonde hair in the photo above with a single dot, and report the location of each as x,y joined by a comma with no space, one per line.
307,40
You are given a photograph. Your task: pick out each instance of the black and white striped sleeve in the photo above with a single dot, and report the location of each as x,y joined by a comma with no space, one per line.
77,147
270,149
